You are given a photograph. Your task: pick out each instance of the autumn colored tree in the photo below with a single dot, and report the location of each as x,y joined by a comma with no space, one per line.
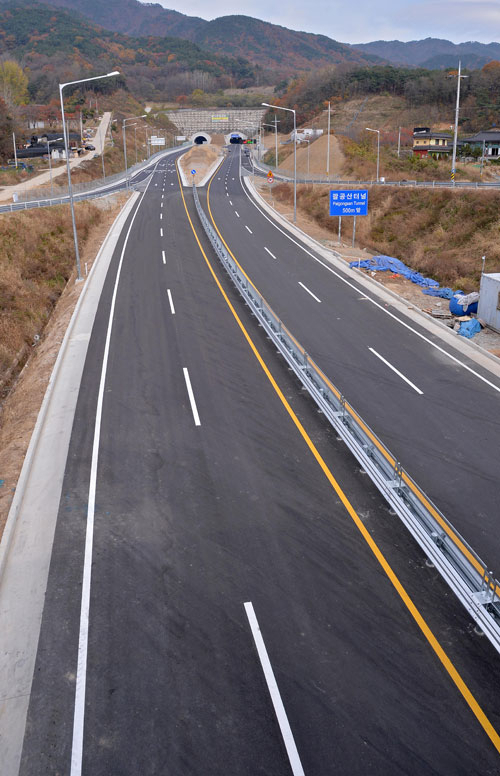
13,83
6,130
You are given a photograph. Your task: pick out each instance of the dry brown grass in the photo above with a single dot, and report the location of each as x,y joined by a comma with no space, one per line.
442,234
360,163
92,169
36,260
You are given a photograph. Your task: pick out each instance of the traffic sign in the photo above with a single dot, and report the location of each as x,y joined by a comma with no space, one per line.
193,172
270,177
349,202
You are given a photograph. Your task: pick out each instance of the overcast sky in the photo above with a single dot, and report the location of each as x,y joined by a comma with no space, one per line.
366,20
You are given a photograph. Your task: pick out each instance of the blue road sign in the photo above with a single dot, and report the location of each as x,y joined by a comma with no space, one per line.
193,172
349,202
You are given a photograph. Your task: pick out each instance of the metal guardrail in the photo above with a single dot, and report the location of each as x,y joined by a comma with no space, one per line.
301,178
35,204
48,194
456,561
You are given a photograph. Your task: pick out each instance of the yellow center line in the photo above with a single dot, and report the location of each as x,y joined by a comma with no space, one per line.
414,611
482,571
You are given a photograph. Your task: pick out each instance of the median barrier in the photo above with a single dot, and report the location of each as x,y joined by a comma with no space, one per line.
459,565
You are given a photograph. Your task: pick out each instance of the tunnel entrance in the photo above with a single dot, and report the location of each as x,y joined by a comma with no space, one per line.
199,138
235,138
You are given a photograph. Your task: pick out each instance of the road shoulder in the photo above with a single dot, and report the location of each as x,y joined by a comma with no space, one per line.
26,544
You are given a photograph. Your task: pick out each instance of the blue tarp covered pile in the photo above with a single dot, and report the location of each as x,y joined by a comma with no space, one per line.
469,328
384,263
445,292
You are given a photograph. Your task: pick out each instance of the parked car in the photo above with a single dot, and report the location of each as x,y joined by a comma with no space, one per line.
89,147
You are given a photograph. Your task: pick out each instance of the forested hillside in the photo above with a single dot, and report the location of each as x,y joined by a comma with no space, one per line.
268,45
56,45
480,100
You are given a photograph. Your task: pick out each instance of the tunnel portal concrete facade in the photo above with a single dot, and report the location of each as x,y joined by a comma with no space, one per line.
191,121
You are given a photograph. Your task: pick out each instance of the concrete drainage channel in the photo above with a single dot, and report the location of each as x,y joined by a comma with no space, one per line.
459,565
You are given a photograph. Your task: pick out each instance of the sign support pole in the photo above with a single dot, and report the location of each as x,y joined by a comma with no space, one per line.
354,231
340,227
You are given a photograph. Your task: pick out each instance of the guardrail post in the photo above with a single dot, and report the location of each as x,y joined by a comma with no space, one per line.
398,475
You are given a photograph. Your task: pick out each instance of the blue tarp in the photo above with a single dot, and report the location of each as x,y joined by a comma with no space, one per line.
445,293
384,263
469,328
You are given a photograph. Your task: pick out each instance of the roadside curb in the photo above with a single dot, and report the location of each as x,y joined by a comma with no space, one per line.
469,348
15,507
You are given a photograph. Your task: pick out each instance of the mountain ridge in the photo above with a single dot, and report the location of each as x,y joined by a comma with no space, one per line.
433,53
269,45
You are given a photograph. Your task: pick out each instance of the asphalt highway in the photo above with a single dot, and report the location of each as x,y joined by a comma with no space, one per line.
439,419
212,506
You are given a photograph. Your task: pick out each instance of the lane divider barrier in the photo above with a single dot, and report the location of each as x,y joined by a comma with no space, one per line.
460,566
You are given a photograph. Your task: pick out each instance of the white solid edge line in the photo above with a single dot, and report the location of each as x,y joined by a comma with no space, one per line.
191,397
274,692
269,252
397,371
171,302
309,292
373,301
248,228
81,673
163,257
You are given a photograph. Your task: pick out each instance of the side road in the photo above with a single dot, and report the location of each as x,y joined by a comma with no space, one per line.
28,535
40,180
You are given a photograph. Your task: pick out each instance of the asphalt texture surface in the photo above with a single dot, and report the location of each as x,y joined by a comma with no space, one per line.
448,436
192,521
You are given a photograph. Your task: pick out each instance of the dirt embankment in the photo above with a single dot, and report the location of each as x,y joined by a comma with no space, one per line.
442,234
199,158
36,300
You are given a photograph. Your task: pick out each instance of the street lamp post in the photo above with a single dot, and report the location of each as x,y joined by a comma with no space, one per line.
290,110
124,126
57,140
68,167
378,148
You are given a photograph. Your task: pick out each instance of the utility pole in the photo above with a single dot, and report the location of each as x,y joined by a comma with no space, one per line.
455,134
399,141
482,156
15,149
